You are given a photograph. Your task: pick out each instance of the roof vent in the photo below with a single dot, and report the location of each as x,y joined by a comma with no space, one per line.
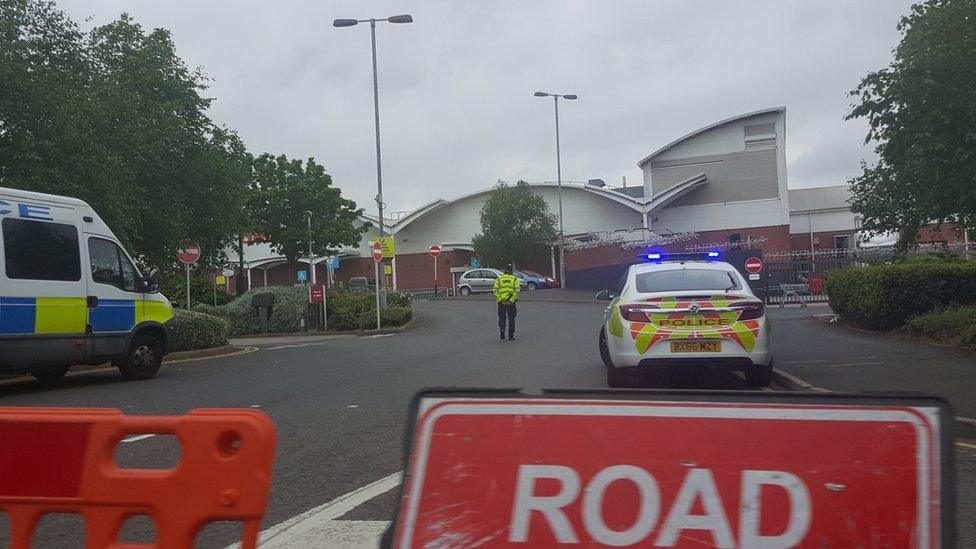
597,183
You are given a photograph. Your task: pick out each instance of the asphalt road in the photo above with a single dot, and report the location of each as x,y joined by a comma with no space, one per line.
340,404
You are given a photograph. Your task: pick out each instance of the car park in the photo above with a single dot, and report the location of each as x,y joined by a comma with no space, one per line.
684,310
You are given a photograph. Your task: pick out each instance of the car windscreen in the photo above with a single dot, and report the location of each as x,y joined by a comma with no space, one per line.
679,280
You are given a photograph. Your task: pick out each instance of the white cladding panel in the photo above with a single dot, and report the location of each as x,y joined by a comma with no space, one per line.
718,217
838,220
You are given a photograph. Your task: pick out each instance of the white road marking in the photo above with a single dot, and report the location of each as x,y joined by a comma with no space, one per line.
966,445
314,527
804,361
254,406
374,336
353,406
294,345
855,364
137,438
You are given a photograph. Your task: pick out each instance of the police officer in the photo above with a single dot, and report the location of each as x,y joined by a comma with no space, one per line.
506,292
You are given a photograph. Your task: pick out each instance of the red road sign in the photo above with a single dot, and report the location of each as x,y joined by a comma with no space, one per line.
754,265
190,252
530,472
377,252
434,250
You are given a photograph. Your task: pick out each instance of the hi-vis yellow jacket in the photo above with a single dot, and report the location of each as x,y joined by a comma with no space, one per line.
506,288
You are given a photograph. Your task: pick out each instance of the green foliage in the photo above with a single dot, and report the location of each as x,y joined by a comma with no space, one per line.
952,325
349,311
883,297
173,286
283,190
921,111
115,117
195,330
516,226
290,307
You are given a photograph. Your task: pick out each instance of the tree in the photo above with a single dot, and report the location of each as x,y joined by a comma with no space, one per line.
282,190
115,117
516,226
921,111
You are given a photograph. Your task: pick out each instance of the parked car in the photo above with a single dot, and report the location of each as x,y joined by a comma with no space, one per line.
72,294
477,281
535,281
361,284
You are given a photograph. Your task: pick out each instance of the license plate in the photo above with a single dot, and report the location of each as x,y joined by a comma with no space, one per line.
696,346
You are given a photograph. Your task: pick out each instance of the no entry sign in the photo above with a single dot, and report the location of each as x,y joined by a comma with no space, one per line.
190,252
684,470
377,251
754,265
434,250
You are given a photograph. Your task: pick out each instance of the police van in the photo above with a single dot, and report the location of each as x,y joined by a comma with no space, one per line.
70,294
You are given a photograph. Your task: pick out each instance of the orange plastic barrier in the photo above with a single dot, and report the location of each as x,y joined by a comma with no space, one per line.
62,460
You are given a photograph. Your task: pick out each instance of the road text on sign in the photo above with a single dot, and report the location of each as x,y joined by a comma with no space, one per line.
377,251
434,250
753,472
189,252
316,293
754,265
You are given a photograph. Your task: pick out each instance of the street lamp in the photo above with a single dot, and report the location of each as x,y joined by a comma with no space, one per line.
311,265
376,113
559,182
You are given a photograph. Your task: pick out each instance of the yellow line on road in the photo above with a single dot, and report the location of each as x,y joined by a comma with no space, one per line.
966,445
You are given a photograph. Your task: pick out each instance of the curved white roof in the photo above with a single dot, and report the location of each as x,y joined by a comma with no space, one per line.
770,110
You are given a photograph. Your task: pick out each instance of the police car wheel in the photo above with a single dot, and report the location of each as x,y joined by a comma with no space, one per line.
144,358
759,376
50,375
464,290
605,350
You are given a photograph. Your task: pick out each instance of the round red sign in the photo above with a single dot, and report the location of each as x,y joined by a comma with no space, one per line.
377,251
434,250
190,252
754,265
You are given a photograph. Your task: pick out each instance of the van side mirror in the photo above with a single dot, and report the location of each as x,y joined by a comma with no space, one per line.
605,295
150,284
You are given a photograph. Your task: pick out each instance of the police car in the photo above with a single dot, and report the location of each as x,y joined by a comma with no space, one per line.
684,310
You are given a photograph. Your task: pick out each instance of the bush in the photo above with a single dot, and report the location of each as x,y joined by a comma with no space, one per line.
883,297
193,330
348,311
954,325
290,307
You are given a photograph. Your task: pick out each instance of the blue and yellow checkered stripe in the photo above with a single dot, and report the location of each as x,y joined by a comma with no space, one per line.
70,315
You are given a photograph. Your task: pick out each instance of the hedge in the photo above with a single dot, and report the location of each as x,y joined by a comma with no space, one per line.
290,307
883,297
194,330
953,325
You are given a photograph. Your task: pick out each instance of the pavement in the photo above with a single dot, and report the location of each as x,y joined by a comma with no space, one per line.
340,403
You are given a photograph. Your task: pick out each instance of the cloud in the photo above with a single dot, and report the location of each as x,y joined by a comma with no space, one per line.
457,110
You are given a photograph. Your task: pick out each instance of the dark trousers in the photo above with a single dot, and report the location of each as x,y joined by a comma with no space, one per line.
506,310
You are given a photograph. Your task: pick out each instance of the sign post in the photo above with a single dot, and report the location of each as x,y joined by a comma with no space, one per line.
190,254
669,469
377,258
434,251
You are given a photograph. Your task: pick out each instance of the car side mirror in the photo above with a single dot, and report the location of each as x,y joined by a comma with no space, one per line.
605,295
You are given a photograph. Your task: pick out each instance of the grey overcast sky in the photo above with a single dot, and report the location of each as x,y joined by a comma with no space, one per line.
456,103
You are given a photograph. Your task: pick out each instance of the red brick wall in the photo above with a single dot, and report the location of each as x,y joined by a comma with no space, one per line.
801,241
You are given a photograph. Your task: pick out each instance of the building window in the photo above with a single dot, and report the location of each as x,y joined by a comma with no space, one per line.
38,250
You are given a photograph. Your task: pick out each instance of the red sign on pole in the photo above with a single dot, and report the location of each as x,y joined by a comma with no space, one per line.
434,250
190,252
536,471
754,265
316,293
377,252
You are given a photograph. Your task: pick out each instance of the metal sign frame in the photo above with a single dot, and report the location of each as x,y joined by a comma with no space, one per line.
946,426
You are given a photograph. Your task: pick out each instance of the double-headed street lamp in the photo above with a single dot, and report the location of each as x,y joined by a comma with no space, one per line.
559,182
376,112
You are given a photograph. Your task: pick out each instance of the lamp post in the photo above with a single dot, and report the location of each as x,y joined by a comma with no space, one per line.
376,113
311,264
559,182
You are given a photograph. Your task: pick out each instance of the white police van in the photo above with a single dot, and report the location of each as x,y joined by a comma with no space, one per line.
70,294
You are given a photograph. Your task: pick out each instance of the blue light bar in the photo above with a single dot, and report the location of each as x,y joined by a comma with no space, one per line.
713,254
653,256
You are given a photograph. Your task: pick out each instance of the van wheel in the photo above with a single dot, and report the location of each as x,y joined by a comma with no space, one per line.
464,290
144,358
50,375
